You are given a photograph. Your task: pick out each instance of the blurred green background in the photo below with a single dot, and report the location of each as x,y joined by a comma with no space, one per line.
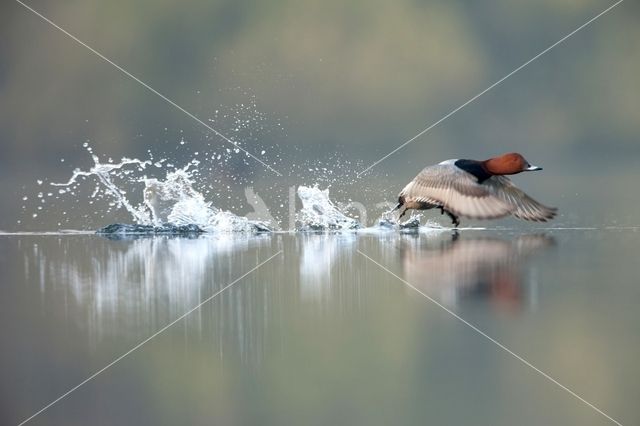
313,81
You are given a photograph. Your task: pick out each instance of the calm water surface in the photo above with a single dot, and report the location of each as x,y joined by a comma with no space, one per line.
320,334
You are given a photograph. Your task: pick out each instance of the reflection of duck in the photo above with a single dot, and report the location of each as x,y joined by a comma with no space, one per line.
474,189
479,268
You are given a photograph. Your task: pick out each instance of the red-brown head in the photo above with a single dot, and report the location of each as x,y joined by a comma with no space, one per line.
509,164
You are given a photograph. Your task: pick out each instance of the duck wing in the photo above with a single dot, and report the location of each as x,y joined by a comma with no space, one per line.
523,206
457,191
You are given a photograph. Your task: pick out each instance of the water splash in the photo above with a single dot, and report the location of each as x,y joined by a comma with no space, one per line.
106,173
163,205
166,203
161,198
175,201
320,214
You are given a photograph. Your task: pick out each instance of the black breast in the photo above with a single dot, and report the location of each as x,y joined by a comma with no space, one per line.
475,168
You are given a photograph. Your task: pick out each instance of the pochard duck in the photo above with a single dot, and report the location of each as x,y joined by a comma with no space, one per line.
474,189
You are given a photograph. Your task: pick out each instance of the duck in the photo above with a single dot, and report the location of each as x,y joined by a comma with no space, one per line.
474,189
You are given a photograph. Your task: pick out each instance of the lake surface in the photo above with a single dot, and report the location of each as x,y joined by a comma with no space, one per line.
327,331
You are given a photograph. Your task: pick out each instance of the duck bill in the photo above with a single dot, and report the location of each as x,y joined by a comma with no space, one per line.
532,168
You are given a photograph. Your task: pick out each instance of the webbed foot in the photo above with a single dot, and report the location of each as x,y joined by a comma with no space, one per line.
454,219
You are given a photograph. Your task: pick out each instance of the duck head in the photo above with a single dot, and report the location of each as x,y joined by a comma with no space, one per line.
509,164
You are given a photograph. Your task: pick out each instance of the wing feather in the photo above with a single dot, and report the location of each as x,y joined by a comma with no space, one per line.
457,191
524,207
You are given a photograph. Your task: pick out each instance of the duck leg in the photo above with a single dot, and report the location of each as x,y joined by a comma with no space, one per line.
399,206
454,219
403,212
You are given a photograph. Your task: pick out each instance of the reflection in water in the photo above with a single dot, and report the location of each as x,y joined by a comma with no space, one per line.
318,331
129,289
319,253
461,268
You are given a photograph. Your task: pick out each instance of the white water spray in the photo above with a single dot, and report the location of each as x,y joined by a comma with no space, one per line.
319,213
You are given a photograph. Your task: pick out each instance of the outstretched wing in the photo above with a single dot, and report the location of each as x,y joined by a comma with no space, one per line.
457,191
524,207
